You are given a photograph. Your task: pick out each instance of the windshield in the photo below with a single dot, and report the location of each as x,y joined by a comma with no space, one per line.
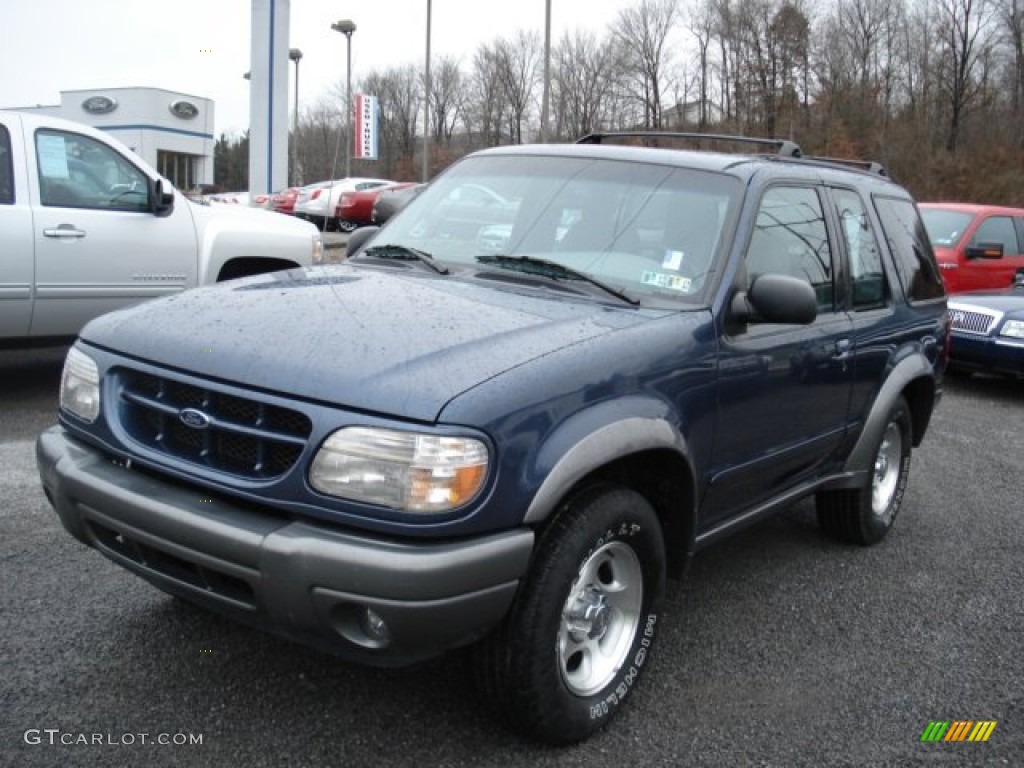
650,231
945,227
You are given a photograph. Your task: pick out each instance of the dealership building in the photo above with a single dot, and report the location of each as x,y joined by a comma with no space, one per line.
171,131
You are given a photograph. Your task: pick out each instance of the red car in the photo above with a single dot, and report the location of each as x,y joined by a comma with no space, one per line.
284,201
356,208
978,247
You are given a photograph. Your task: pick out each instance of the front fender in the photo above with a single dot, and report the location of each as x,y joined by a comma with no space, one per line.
597,437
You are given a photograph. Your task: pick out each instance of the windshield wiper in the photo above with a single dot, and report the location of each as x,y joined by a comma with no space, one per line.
553,270
405,253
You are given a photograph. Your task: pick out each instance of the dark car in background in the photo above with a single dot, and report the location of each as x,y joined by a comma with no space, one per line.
988,331
391,201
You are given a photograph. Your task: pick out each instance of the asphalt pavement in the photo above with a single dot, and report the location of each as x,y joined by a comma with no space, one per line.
780,648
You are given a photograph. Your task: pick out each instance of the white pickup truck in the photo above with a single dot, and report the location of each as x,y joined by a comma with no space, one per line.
87,227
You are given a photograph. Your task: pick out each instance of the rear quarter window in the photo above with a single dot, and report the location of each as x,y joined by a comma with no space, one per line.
6,168
910,247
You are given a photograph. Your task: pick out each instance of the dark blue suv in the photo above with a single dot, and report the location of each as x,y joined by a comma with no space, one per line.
515,410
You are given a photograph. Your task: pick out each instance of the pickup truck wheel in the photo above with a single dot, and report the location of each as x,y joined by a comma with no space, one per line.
347,226
576,639
864,515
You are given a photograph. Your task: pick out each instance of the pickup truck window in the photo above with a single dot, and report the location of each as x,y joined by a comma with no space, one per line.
6,168
79,172
997,229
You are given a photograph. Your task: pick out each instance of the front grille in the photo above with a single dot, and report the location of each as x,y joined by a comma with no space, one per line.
971,321
235,434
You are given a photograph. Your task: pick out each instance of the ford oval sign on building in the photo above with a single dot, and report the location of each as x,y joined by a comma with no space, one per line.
186,110
99,105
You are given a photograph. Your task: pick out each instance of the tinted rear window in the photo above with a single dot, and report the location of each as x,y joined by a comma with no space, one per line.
911,249
6,168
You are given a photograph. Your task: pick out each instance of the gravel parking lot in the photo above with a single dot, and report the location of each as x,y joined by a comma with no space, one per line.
779,649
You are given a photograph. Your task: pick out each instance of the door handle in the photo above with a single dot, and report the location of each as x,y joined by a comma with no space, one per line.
842,348
65,232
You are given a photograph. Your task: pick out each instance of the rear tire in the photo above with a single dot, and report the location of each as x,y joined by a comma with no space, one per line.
579,633
864,515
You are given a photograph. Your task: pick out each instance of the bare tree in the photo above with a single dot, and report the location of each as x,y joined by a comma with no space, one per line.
641,33
319,141
584,78
702,25
517,59
485,106
962,25
447,98
1011,19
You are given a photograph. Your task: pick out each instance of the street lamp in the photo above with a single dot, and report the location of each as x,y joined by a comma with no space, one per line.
546,93
347,27
295,55
426,106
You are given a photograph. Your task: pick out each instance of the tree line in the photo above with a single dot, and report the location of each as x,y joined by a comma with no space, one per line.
932,89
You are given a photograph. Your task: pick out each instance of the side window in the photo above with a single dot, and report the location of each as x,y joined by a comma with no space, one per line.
6,168
790,238
997,229
867,275
78,172
911,249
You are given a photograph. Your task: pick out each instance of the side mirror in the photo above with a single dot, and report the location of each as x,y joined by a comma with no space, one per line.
985,251
161,203
777,299
358,239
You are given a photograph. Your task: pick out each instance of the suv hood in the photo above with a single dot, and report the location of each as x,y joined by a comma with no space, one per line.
369,339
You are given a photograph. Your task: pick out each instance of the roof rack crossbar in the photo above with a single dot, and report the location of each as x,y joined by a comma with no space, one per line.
784,147
868,165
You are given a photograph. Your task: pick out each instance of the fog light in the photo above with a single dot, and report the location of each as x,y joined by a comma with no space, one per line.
375,627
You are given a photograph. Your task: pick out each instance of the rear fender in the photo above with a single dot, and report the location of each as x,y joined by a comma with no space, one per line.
908,370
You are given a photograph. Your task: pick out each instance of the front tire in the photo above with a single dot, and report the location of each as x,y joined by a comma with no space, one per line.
864,515
579,633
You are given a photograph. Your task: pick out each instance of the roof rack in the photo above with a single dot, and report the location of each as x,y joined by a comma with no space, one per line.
867,165
783,147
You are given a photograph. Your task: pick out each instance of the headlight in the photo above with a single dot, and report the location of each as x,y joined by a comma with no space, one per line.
403,470
1013,328
318,250
80,386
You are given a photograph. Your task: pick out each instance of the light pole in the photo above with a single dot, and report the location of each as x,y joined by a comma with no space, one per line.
347,27
295,55
426,106
546,97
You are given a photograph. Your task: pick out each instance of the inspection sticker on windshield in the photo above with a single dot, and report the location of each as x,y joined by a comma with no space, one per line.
672,260
662,280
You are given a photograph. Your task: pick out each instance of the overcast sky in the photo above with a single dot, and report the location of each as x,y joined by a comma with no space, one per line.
201,47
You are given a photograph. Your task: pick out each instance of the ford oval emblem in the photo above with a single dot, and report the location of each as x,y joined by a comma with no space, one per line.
186,110
193,418
99,105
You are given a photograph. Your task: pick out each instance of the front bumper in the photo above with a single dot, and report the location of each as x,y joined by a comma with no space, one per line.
987,353
307,582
